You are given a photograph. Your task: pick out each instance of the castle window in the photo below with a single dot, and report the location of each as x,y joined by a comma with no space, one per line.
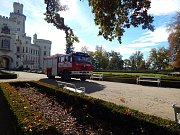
2,44
18,29
44,53
18,22
18,49
5,30
5,44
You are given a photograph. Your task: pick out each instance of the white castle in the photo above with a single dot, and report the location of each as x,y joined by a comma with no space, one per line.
16,49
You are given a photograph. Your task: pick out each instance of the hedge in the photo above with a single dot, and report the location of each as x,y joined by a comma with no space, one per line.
131,120
172,82
29,121
6,75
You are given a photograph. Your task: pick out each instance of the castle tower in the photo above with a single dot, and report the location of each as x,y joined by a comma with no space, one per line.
34,38
18,8
19,17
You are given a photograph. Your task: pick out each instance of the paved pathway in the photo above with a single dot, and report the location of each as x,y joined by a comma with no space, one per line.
156,101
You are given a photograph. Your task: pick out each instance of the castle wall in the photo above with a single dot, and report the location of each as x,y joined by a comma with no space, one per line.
16,46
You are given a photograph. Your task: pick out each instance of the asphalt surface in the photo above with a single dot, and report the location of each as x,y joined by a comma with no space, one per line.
156,101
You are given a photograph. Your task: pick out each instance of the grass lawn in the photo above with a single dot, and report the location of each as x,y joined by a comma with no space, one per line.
134,75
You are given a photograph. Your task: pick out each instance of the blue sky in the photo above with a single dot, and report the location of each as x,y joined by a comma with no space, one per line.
80,19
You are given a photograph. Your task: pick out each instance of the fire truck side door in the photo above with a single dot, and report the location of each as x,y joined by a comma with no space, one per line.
66,62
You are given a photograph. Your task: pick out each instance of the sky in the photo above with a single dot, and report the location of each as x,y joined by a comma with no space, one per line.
80,18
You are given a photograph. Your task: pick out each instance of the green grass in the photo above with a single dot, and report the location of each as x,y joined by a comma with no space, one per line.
132,74
120,74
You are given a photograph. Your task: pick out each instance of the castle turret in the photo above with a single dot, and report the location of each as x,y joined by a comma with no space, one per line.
18,8
19,17
34,38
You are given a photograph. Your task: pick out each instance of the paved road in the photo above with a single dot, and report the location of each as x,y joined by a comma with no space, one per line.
156,101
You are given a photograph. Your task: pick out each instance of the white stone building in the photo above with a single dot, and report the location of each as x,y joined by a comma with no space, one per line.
16,49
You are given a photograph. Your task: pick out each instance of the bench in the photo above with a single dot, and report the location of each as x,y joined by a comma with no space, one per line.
177,113
149,79
97,76
70,87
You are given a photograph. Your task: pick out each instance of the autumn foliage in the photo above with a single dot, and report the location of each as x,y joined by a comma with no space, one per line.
174,42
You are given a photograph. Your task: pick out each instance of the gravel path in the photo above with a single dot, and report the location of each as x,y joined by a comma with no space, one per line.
156,101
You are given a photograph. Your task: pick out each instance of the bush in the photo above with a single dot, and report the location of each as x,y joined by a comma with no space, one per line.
6,75
130,120
29,121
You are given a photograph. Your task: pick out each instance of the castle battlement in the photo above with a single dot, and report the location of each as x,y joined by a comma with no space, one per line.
44,41
16,46
4,17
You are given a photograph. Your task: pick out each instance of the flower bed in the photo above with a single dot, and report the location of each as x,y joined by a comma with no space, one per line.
73,113
29,120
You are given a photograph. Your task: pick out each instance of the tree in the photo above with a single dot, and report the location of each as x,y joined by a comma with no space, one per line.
174,41
52,16
101,58
112,16
115,62
69,43
160,58
127,64
136,61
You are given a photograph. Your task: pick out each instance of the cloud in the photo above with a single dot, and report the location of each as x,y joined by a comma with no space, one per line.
141,44
164,7
159,35
83,43
35,23
79,16
146,42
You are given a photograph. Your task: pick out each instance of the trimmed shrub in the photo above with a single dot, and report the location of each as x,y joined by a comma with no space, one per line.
134,122
6,75
29,121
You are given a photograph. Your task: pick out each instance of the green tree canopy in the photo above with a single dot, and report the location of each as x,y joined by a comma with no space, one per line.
136,60
112,16
115,62
160,58
101,58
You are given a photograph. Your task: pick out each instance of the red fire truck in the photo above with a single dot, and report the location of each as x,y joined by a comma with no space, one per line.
76,65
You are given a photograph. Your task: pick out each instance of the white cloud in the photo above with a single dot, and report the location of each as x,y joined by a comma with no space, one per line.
83,43
127,50
146,42
124,50
164,7
35,23
76,15
159,35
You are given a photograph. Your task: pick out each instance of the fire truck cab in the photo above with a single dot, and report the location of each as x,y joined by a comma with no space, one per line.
75,65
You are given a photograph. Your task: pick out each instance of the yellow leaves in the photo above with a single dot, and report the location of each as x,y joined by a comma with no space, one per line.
25,120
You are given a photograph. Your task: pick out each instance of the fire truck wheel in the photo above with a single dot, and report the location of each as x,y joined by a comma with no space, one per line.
65,76
83,78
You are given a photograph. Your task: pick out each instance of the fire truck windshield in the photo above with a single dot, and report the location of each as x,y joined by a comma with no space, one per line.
81,59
